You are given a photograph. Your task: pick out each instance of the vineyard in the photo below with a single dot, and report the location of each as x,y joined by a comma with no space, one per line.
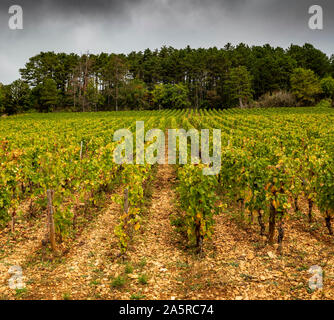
83,227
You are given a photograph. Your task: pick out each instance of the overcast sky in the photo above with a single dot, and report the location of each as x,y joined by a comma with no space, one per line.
127,25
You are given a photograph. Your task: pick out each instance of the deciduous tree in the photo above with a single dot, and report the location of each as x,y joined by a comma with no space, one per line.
305,86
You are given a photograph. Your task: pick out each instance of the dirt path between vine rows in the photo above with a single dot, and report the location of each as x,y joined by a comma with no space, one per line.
155,253
16,248
254,270
69,275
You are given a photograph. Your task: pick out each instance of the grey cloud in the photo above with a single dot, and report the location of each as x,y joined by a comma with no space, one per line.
72,6
126,25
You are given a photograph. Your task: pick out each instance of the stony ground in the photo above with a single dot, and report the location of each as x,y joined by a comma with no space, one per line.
236,264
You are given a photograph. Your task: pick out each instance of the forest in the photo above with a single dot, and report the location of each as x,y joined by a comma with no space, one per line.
170,78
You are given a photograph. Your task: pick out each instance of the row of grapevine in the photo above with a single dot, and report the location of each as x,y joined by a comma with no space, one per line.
270,161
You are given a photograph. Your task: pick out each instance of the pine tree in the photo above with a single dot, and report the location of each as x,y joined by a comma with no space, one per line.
239,85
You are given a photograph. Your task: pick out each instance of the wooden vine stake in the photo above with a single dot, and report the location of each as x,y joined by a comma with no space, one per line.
50,221
12,225
126,210
81,150
126,201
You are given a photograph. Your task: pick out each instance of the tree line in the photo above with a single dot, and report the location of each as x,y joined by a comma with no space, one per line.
169,78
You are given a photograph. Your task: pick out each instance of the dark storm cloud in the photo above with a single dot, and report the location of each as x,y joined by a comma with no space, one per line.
101,6
72,6
126,25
